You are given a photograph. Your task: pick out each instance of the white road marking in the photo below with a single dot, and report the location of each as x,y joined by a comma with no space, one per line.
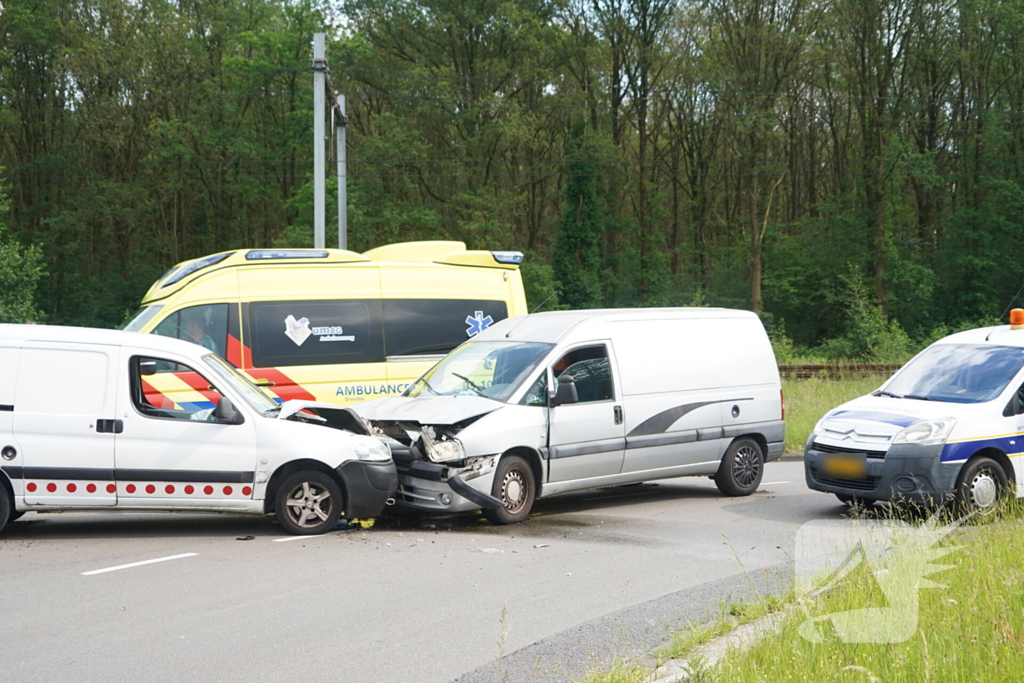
296,538
138,564
773,483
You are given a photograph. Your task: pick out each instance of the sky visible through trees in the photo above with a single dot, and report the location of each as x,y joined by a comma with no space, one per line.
822,162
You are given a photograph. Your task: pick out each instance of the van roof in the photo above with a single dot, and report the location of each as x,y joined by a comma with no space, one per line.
89,335
553,325
1001,335
448,253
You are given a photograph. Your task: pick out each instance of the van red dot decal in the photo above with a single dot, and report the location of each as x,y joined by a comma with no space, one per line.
169,489
130,488
72,488
91,488
208,490
228,490
247,491
31,487
51,487
190,489
111,488
150,488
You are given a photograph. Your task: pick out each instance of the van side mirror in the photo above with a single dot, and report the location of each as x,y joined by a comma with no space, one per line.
566,391
147,367
227,413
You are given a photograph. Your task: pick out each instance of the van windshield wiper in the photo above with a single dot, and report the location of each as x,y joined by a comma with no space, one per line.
890,394
427,385
472,385
919,398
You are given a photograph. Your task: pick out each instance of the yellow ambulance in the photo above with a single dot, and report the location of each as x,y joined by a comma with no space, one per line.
330,325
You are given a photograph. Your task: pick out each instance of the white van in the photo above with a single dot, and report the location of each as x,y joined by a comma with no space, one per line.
555,402
949,423
81,426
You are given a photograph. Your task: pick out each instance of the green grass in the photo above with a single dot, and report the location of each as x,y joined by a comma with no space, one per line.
808,399
971,631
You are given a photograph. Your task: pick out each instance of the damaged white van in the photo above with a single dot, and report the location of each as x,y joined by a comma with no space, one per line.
83,425
555,402
948,424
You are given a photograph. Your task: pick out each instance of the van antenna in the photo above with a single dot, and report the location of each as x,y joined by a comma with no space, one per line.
509,333
542,303
1007,309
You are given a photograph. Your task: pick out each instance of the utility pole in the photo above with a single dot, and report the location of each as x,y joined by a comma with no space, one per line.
319,113
339,122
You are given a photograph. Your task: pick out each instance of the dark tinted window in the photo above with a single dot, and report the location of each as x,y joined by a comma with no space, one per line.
591,372
284,333
206,325
436,326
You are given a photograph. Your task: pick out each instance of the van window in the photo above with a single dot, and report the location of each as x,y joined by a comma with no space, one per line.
206,325
436,326
958,373
285,333
592,372
166,389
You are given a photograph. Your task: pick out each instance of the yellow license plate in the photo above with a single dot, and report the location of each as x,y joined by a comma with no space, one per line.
845,467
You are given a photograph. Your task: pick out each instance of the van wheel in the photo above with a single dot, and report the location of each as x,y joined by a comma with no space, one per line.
5,506
514,486
741,469
982,482
308,503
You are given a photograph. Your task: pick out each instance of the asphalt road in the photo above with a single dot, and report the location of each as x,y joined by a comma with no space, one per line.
589,577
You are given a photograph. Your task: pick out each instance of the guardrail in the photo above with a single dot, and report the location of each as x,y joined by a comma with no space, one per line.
838,370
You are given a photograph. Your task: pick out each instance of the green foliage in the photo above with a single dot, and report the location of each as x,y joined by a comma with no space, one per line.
577,255
20,271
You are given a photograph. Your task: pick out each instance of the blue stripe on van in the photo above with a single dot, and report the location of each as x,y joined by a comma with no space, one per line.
871,416
962,450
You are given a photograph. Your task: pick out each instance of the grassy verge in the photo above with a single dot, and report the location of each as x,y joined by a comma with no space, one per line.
971,631
808,399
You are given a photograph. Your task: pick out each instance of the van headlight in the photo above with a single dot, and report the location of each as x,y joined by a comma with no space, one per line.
445,451
368,448
926,433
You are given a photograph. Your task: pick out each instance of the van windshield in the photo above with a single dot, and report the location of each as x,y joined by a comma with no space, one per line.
490,369
259,401
957,373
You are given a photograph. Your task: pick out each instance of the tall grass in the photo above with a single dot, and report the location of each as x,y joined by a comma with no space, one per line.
973,630
808,399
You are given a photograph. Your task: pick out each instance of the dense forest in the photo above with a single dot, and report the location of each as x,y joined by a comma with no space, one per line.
853,170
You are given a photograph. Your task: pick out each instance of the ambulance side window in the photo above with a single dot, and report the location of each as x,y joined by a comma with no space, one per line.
206,325
169,390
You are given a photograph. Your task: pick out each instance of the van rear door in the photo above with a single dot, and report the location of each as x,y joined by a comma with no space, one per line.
65,422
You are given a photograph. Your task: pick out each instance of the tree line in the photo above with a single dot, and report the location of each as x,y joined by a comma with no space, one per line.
852,170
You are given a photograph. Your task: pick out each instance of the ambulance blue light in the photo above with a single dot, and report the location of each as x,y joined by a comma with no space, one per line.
513,257
189,268
270,254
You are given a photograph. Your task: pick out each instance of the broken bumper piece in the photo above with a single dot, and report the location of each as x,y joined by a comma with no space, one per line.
430,486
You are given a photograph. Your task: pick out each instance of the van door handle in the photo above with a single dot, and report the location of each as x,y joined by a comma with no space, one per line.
618,415
109,426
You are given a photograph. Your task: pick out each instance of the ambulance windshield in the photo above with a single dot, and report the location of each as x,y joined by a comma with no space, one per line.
957,373
490,369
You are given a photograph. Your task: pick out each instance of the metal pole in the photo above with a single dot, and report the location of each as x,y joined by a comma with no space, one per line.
342,175
319,114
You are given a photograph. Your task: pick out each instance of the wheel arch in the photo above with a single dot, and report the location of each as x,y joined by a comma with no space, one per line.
291,467
999,457
757,437
5,481
531,456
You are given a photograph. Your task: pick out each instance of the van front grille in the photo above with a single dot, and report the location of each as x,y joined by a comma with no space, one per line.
866,484
824,448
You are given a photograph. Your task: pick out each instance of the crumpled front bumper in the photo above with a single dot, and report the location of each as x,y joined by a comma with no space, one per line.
424,485
907,472
368,486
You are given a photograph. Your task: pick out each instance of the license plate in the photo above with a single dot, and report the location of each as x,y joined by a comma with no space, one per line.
853,466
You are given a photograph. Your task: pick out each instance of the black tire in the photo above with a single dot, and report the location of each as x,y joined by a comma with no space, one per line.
15,515
6,508
741,469
515,486
316,503
980,486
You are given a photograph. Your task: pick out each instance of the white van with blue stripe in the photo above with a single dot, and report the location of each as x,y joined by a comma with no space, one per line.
948,425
